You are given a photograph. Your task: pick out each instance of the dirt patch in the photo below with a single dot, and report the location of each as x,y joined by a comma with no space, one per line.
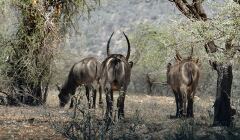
30,123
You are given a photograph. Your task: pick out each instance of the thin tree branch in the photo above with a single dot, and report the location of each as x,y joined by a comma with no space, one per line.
197,12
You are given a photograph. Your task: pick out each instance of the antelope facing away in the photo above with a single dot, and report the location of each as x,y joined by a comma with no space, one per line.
183,78
115,76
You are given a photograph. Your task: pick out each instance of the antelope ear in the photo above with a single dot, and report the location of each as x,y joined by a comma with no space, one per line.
175,58
131,64
210,63
58,87
178,56
169,64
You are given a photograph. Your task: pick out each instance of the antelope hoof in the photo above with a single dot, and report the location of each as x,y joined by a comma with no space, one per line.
190,116
178,115
121,116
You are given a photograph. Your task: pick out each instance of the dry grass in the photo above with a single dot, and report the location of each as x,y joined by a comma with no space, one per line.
146,117
28,123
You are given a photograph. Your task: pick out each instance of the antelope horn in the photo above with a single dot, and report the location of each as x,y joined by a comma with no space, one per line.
178,56
58,87
129,47
191,54
109,40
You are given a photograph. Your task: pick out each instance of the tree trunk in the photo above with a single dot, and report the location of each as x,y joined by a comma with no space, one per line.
222,109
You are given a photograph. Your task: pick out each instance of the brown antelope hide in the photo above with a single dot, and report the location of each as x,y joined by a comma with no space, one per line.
115,76
183,78
86,72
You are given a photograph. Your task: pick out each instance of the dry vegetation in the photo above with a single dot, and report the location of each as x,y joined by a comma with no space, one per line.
147,117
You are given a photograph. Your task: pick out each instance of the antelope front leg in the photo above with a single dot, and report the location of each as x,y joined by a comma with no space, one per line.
87,94
71,103
72,100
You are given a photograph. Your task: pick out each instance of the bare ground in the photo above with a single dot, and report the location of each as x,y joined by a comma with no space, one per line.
147,117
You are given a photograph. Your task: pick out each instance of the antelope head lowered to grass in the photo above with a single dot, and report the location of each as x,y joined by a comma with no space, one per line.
87,73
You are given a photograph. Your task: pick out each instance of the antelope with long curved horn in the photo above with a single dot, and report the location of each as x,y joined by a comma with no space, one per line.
115,76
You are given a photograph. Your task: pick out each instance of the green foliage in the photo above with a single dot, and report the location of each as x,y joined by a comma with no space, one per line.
150,45
157,45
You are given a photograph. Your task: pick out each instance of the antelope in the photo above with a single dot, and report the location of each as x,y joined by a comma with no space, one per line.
83,73
183,78
115,76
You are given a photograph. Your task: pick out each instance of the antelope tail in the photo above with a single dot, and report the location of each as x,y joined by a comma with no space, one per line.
190,77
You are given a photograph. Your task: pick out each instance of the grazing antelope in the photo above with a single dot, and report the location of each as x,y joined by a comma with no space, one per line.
115,76
86,72
183,78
